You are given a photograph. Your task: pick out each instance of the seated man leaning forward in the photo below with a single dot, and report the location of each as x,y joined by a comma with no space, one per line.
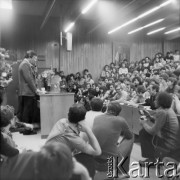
108,128
67,131
161,138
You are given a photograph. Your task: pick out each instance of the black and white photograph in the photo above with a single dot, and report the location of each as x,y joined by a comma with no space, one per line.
90,89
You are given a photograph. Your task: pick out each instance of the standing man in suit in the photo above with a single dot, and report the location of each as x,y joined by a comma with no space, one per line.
27,87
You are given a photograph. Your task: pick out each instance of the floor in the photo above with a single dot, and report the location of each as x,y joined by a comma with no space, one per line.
34,142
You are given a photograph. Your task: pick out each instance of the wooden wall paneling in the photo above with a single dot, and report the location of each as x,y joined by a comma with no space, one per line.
87,52
143,48
171,45
52,55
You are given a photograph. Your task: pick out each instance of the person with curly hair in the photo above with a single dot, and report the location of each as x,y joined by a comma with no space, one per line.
164,130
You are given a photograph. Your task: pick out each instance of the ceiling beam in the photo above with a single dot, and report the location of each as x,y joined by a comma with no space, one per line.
47,14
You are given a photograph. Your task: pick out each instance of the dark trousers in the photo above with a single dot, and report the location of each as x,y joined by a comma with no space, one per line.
28,111
147,149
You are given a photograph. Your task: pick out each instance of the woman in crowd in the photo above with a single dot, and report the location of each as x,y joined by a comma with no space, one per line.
140,67
123,69
103,73
78,78
89,79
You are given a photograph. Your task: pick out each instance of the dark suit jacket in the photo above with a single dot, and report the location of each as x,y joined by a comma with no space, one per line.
27,82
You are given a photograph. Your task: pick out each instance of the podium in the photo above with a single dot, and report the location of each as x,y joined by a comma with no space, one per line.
53,106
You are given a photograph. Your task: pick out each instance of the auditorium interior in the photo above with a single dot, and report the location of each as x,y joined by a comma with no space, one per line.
90,89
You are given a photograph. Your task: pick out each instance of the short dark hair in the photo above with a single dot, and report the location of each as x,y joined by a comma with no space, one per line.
76,113
141,89
6,114
54,161
114,108
96,104
155,87
164,100
164,76
138,78
173,80
30,54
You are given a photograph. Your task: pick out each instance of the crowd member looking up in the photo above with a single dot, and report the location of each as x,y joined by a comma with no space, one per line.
165,128
108,128
54,161
67,131
27,87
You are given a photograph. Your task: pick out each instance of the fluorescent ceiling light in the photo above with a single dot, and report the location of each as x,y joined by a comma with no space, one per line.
148,25
141,16
85,10
6,4
155,31
69,27
172,31
166,3
155,22
125,24
148,12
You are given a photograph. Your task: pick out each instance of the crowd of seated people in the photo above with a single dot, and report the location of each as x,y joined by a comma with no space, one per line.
154,83
131,82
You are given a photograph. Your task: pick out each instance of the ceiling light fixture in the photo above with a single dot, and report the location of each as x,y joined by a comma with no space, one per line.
85,10
148,25
172,31
69,27
155,31
141,16
6,4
